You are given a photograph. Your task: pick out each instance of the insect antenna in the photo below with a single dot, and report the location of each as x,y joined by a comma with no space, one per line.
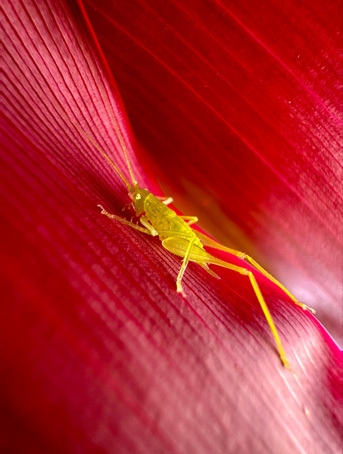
119,135
104,154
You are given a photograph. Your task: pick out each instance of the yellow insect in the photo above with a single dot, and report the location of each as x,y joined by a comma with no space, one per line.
177,236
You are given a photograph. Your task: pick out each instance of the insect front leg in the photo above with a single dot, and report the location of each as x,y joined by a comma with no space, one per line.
148,226
148,231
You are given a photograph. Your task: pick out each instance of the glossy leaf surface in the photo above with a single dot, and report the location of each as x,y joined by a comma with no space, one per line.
98,352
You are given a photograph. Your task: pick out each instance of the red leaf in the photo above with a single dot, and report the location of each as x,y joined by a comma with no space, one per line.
239,108
98,351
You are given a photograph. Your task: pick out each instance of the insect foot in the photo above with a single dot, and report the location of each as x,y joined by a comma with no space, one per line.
103,211
179,289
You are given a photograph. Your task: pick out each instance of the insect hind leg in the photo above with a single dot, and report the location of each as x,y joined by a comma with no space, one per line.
276,282
263,305
269,319
213,244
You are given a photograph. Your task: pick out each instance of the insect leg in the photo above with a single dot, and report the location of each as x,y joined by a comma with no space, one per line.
269,319
143,220
269,276
165,200
123,221
208,269
183,267
264,308
206,241
190,219
187,248
182,247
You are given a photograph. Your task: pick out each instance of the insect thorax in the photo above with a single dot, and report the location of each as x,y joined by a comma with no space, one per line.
164,219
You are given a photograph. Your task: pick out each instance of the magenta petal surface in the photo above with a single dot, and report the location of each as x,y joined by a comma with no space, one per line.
98,352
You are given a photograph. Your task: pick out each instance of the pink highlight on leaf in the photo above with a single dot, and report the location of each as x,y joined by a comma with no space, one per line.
98,352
